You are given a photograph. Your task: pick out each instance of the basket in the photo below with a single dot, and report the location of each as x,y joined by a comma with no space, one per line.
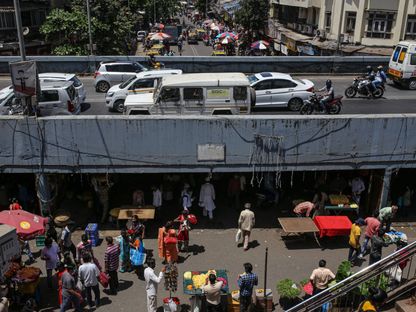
40,241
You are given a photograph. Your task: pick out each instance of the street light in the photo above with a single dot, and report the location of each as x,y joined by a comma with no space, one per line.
19,29
89,27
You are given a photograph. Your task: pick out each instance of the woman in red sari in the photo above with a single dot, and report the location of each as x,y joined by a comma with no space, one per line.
183,234
170,242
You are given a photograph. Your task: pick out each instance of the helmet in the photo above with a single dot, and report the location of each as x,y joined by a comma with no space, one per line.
328,83
380,67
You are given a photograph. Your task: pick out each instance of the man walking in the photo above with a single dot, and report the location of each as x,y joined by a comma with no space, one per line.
111,260
354,241
152,281
373,225
51,254
206,198
321,277
70,296
212,293
88,275
386,215
65,242
377,244
246,282
246,223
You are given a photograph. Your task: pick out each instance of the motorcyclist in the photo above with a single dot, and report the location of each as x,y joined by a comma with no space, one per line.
369,72
380,77
328,95
152,61
180,44
370,75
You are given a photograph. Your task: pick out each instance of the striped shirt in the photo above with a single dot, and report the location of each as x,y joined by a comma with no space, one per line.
111,257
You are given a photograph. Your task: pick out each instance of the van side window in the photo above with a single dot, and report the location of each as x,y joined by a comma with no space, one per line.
193,94
170,94
402,55
396,54
49,96
142,83
413,59
240,93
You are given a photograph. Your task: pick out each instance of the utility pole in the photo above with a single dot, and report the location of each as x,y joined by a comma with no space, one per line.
154,12
89,27
340,26
19,29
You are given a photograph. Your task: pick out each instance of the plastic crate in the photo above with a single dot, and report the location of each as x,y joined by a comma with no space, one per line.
93,234
40,241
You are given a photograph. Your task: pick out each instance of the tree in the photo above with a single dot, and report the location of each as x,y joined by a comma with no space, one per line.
253,15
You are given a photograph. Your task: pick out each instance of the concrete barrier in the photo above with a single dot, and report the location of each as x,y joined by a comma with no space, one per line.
246,64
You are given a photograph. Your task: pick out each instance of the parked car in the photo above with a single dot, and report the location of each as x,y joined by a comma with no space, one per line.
111,73
280,90
141,35
6,99
79,86
58,98
143,82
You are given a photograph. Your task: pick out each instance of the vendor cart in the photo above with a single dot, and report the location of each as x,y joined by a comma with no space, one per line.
298,227
339,204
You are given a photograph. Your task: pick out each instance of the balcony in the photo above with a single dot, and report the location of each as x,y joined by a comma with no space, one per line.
302,3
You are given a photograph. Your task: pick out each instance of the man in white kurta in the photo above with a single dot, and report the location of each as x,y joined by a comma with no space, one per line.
206,199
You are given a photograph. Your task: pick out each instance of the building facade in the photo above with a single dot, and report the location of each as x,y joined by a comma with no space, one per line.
367,25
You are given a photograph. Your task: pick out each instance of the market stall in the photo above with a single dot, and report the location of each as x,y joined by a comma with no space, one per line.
339,204
194,281
333,225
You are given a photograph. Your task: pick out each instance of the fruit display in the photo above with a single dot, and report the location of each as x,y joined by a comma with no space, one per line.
336,200
194,281
171,277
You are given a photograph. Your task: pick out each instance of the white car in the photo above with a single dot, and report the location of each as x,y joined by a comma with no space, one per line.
6,99
51,77
58,98
280,90
142,82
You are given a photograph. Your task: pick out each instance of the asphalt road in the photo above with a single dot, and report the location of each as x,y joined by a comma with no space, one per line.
395,101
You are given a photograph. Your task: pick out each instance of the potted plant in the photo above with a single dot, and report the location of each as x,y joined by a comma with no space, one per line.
289,293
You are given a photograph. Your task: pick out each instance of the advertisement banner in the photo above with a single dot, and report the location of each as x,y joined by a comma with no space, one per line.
24,78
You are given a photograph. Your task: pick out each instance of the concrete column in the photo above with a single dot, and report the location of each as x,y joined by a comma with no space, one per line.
400,22
321,19
337,16
386,186
360,21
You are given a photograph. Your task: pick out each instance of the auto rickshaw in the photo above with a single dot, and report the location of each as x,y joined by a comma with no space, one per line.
200,33
192,37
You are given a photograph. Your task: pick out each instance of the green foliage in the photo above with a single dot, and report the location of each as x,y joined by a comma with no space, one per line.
382,282
304,282
288,289
344,271
253,15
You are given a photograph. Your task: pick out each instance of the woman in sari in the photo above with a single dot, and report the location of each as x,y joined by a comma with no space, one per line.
171,246
124,252
183,233
163,232
137,243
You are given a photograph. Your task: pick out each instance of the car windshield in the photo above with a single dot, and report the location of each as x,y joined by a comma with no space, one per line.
126,83
252,79
139,67
77,82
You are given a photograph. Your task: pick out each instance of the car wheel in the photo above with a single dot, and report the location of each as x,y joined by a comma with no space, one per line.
102,86
295,104
412,84
119,106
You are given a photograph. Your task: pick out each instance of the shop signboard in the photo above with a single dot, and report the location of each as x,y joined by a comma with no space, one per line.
24,78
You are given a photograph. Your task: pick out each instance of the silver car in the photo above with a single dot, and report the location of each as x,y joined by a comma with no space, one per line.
112,73
79,86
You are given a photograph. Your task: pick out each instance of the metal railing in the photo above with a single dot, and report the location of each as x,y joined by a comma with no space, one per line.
346,295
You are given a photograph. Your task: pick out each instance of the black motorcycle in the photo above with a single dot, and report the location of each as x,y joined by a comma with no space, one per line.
361,86
333,107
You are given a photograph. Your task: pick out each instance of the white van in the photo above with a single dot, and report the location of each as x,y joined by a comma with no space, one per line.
142,82
58,98
402,65
208,93
78,85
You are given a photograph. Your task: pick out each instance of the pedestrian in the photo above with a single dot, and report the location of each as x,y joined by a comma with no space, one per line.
50,254
375,300
357,187
377,244
65,242
386,215
233,192
84,246
354,241
246,282
246,223
51,230
152,281
160,240
171,244
14,205
321,277
138,198
212,293
320,200
124,252
70,296
137,228
304,209
60,271
111,260
373,225
136,242
88,276
25,249
183,233
186,197
207,198
157,197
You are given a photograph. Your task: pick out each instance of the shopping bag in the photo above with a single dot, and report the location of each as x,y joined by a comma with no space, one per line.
238,236
103,279
138,256
192,219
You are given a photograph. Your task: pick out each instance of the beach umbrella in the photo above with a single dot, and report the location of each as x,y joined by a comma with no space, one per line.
226,34
227,40
159,36
260,45
28,225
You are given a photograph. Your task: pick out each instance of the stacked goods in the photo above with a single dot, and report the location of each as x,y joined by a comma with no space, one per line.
28,274
261,303
171,277
193,281
336,200
92,232
11,272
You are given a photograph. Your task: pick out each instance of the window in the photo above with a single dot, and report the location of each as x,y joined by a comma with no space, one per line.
402,55
49,96
143,83
263,85
240,93
328,17
113,68
411,27
379,25
170,95
396,54
283,84
350,22
128,68
77,82
412,59
7,20
193,94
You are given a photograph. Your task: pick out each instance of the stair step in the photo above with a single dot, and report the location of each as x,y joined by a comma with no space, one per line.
404,306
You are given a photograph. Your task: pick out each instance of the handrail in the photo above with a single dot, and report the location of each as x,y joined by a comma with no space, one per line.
356,279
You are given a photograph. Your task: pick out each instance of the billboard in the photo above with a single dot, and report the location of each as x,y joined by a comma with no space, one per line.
24,78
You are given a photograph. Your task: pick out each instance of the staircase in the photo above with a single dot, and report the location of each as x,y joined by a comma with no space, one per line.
344,297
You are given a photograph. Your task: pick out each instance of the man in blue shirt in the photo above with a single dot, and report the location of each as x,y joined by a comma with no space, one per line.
246,282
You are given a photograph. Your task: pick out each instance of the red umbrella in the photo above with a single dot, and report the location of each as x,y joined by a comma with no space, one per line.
28,225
